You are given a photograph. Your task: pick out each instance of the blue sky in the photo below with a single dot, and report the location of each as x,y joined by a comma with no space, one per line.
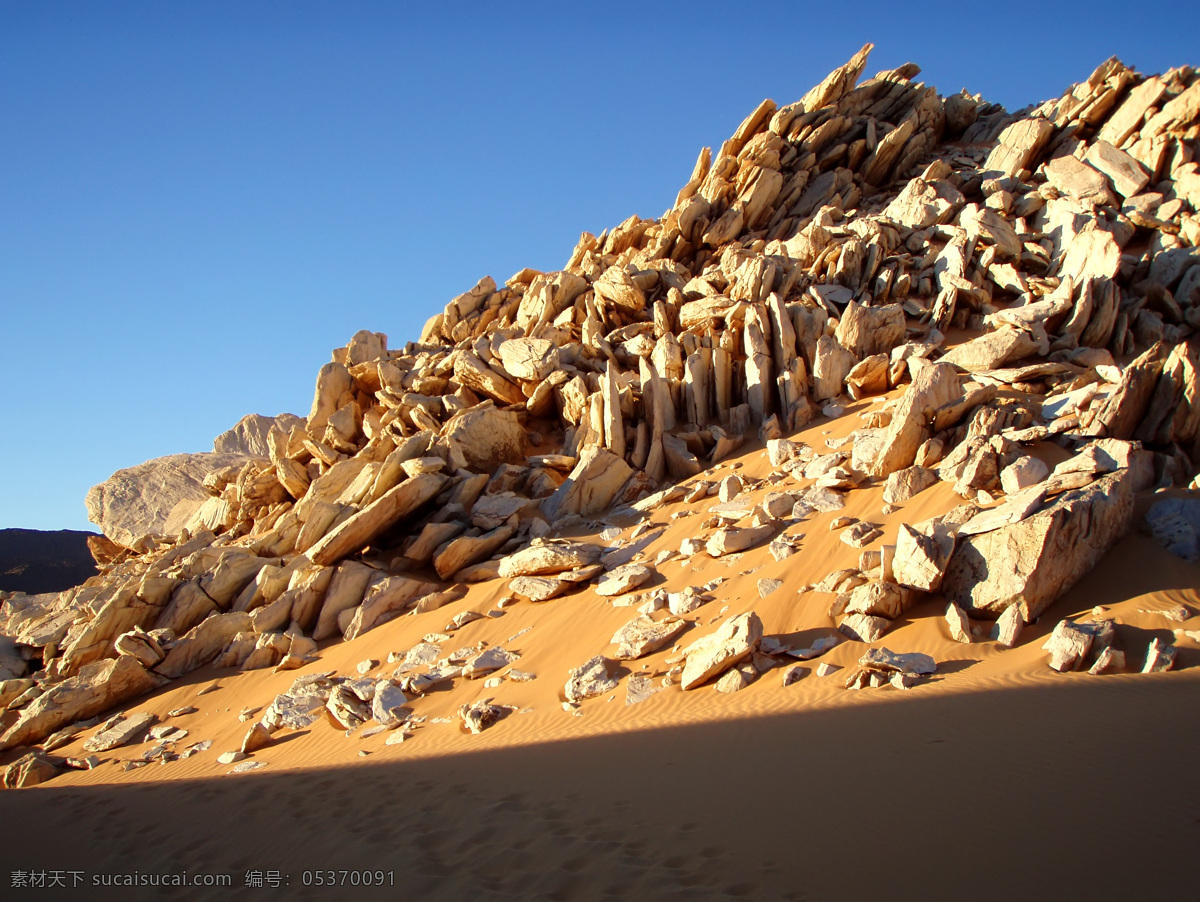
199,201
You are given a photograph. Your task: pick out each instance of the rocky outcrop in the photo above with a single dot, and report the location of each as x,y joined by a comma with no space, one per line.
158,497
250,435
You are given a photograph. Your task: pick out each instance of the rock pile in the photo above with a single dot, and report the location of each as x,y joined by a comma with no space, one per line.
988,281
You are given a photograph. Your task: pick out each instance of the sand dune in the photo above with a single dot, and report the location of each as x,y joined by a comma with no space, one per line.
1072,790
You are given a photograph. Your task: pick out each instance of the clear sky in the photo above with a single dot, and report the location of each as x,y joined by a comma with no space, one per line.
198,201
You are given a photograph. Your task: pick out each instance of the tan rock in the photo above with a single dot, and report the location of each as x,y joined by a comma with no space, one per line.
530,359
732,642
1019,145
1033,562
865,331
643,635
904,485
94,689
551,558
385,601
203,643
960,626
921,557
476,375
591,487
464,551
483,438
377,517
1124,173
932,387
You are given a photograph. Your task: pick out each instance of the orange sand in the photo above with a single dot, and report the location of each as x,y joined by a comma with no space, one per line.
996,777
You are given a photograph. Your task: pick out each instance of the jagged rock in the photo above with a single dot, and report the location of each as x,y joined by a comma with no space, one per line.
97,687
639,688
591,487
728,541
530,359
865,331
345,592
249,436
1068,646
1019,145
539,588
378,516
832,365
549,558
729,488
734,680
139,644
623,579
887,661
781,450
992,350
864,627
904,485
31,769
346,709
1022,473
483,438
1159,657
1008,627
870,377
643,635
487,661
478,716
589,680
1119,415
1079,181
462,552
384,601
1014,509
932,387
120,731
921,557
877,599
203,643
1110,660
960,626
157,497
1033,562
256,738
735,640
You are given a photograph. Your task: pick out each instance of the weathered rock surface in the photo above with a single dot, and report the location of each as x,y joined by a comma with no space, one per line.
1033,562
590,680
735,640
96,688
157,497
644,635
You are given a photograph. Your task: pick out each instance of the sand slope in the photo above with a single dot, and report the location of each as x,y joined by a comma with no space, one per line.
809,791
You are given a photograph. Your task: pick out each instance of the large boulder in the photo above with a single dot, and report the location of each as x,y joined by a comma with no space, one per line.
376,518
933,386
590,489
1033,562
483,438
156,497
735,640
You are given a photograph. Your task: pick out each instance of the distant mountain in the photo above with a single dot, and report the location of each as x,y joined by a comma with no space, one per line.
34,561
